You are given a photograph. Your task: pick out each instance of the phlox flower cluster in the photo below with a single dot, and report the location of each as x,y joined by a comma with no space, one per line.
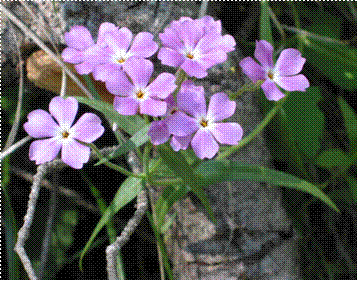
121,60
284,73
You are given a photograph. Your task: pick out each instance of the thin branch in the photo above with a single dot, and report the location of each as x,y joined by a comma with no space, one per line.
113,249
203,9
23,233
42,45
15,125
63,84
42,25
14,147
72,195
47,236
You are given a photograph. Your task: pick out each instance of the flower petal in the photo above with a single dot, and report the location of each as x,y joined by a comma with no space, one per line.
220,107
178,143
170,57
143,45
179,124
190,32
45,150
252,69
170,39
204,145
294,83
193,69
228,43
126,105
75,154
290,62
72,55
162,86
208,43
271,91
207,61
264,54
40,124
64,110
105,72
105,27
88,128
84,68
139,70
158,132
153,107
227,133
191,100
118,39
211,25
118,84
79,38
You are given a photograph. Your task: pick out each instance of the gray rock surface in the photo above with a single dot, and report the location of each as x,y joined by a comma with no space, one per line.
252,239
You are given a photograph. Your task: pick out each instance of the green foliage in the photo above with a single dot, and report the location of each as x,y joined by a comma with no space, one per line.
214,171
306,121
128,190
130,124
178,164
332,158
350,122
336,60
265,24
134,142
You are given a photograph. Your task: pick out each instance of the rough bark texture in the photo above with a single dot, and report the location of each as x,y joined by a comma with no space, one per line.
253,238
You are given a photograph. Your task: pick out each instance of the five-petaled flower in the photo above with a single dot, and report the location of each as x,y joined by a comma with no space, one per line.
82,50
138,95
121,47
284,73
206,125
195,45
62,135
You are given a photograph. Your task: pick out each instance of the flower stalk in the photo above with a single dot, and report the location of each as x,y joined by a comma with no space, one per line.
246,87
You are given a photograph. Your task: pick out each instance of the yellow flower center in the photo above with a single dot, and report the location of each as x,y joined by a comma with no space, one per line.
121,60
140,94
190,56
204,123
173,111
270,75
65,135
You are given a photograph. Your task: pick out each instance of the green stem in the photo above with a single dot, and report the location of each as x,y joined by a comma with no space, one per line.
114,166
91,87
247,87
297,25
181,76
146,159
255,132
167,182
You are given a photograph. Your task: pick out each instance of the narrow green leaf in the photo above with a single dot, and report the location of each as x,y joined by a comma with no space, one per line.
168,223
306,121
214,171
166,201
178,164
135,141
265,24
91,87
352,182
325,52
350,122
130,124
332,158
126,193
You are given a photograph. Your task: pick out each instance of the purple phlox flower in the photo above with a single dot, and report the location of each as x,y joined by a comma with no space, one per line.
195,45
62,135
82,49
159,131
139,95
205,125
120,48
284,73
